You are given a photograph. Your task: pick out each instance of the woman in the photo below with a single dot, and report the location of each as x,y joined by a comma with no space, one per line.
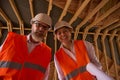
75,59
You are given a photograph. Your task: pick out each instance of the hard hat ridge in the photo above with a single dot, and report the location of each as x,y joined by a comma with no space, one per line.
61,24
42,17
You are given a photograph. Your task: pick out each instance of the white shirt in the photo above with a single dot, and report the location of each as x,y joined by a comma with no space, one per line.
31,46
91,55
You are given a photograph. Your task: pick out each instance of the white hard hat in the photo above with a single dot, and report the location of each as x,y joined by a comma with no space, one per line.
61,24
42,17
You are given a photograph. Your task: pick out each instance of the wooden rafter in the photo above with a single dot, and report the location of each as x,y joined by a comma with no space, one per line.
90,15
100,18
9,24
31,8
118,42
65,9
113,51
50,6
18,16
97,32
78,12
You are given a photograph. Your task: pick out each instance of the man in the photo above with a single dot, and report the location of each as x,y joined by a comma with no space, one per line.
27,57
75,59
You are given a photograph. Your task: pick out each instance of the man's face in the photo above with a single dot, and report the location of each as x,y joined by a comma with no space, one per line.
39,30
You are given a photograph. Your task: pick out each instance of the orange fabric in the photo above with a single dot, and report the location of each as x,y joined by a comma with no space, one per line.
68,65
15,50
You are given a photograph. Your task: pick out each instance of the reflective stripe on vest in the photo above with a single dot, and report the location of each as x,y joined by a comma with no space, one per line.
75,72
7,64
34,66
15,65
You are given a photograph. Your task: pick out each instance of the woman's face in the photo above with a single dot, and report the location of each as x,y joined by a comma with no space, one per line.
63,34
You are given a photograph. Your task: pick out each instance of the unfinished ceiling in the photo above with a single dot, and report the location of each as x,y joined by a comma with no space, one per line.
92,20
84,15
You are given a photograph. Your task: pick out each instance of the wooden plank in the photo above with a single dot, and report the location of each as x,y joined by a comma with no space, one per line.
50,6
12,3
105,52
78,12
100,18
65,9
5,17
112,51
31,8
90,15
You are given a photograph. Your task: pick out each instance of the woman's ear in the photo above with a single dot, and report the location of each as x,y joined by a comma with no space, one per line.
55,37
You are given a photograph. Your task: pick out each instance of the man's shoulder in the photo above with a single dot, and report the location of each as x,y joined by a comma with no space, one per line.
46,46
15,34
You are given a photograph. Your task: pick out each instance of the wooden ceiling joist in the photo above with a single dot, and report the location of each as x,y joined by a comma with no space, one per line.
65,9
113,51
118,42
31,8
111,27
12,3
113,33
98,30
9,24
97,33
78,12
90,15
100,18
50,6
110,20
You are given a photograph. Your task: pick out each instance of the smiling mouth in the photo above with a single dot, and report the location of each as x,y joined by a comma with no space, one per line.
64,38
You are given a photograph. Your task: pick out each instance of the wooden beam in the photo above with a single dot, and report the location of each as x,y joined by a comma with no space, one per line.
55,71
12,3
65,9
0,33
61,3
90,15
97,33
104,50
9,24
31,8
118,42
78,12
117,6
50,6
111,27
112,51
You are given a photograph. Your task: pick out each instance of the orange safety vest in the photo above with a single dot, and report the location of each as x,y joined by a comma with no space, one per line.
75,70
17,64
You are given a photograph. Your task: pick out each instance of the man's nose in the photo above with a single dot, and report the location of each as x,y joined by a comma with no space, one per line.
63,33
41,28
